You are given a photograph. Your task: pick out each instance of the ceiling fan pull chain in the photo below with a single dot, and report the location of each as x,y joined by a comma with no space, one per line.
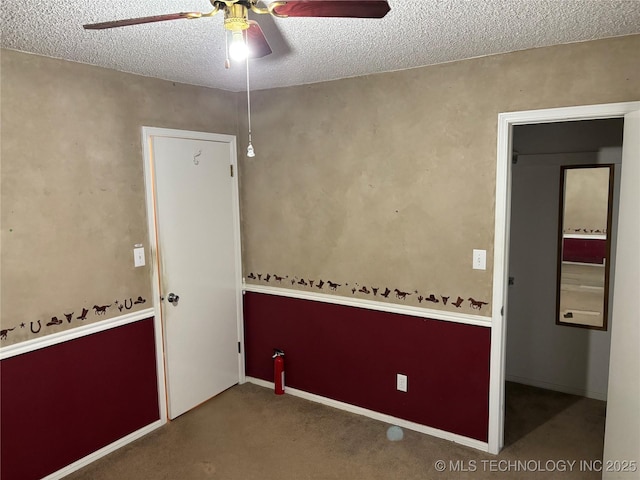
227,62
250,151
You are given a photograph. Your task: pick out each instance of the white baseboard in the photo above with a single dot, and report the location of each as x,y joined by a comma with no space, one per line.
434,432
83,462
558,388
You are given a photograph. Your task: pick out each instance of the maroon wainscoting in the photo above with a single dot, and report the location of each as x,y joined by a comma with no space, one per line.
63,402
353,355
584,250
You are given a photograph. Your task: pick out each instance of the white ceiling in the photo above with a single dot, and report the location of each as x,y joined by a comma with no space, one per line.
306,50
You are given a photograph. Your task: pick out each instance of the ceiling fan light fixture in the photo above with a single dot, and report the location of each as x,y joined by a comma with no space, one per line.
238,49
250,151
236,22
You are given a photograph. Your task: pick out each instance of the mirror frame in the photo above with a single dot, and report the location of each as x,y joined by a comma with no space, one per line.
607,267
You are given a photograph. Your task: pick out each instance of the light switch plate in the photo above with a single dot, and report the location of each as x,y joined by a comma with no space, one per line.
138,257
479,259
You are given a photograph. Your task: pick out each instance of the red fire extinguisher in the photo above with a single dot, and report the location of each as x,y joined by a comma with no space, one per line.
278,371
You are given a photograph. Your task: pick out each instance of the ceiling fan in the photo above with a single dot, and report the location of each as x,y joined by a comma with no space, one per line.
237,22
247,38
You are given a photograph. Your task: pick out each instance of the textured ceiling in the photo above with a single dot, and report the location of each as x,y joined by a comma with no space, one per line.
306,50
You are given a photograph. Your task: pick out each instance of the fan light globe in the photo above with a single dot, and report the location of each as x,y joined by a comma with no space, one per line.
238,49
250,151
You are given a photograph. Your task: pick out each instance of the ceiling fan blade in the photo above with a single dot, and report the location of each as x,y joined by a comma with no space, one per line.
138,21
334,8
271,30
256,40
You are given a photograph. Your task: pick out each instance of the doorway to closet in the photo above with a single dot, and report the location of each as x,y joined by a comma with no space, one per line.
624,370
544,358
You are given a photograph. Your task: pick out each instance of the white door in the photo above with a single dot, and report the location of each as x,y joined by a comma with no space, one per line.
622,429
198,253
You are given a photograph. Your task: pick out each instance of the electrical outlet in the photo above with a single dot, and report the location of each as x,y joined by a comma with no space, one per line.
479,259
401,382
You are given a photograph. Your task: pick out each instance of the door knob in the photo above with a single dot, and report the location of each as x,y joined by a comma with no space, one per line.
173,298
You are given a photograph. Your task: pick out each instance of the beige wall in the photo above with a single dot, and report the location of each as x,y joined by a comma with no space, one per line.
383,181
73,197
389,180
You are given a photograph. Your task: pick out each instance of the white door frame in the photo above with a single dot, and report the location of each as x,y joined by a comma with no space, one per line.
153,255
506,121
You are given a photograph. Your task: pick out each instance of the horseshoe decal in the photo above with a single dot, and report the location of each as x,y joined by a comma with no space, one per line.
39,327
130,305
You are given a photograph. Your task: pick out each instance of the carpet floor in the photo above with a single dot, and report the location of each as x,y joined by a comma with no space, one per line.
248,433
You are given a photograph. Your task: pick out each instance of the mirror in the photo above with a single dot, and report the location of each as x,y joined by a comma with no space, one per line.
586,193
